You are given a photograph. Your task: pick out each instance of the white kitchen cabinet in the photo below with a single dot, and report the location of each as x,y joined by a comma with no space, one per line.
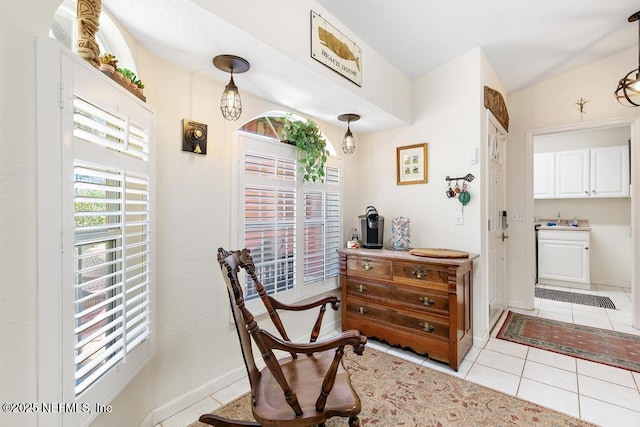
572,174
589,173
544,177
563,258
610,171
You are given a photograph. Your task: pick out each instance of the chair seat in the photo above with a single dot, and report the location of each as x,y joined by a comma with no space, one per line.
305,376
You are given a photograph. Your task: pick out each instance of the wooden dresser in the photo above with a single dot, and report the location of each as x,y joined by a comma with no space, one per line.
411,301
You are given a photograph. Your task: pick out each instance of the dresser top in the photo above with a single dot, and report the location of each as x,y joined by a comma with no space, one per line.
406,256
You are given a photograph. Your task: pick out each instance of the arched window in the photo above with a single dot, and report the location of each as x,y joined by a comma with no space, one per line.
109,39
271,125
292,227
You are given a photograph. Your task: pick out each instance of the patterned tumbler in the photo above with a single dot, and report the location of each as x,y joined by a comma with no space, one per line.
400,233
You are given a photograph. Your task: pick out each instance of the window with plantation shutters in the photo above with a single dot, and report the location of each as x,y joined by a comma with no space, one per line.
95,236
111,258
291,227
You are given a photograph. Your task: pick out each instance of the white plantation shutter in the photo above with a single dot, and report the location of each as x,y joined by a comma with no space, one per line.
322,229
111,277
292,228
270,221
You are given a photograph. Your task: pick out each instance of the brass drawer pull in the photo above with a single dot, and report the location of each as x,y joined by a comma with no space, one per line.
426,327
362,310
367,266
427,301
419,273
361,288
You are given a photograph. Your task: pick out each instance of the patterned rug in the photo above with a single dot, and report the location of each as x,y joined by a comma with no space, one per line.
395,392
585,342
574,297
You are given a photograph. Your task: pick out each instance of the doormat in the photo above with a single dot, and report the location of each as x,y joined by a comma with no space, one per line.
574,298
584,342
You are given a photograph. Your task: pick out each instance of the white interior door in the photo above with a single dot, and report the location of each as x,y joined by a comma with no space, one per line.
497,236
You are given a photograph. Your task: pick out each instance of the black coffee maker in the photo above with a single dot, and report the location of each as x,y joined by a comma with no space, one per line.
371,228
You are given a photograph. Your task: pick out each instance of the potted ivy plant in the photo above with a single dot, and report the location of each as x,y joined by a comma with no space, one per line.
307,137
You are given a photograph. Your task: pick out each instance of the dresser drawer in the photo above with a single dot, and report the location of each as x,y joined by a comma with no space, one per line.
412,298
410,272
422,324
369,267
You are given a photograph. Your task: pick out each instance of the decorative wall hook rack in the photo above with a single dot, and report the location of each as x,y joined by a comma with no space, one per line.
468,177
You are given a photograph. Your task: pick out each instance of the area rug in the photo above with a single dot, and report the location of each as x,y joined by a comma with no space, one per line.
395,392
585,342
574,297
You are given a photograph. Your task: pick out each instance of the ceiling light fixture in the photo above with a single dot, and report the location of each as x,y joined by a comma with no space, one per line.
349,142
230,103
629,86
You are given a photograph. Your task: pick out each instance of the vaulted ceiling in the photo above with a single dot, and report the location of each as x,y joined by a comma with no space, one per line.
526,41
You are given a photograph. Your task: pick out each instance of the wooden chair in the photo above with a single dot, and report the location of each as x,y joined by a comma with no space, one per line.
310,384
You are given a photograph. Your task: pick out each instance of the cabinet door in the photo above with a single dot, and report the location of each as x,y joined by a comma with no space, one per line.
544,180
572,174
610,171
563,260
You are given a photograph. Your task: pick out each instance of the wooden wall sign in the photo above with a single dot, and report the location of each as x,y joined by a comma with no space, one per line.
333,49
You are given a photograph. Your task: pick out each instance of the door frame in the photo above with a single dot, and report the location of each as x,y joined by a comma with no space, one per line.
634,124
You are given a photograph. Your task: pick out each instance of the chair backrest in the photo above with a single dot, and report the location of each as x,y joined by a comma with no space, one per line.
230,261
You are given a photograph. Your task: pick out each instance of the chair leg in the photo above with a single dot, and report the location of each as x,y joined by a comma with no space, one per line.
354,422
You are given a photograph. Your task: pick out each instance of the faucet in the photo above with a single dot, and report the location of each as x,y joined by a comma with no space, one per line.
558,220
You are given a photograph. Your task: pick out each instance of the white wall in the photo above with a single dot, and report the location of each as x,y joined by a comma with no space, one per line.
447,105
550,104
20,22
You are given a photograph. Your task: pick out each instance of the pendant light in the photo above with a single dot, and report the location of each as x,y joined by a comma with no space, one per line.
629,85
230,104
349,142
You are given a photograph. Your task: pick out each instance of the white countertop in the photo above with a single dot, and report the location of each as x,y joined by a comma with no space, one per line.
583,225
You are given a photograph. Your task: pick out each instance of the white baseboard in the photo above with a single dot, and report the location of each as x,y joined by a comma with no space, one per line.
187,399
617,283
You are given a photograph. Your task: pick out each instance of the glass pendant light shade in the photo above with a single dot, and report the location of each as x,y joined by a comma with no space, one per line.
348,142
230,103
629,86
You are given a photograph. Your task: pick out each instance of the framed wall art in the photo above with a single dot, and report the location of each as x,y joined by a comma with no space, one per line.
411,164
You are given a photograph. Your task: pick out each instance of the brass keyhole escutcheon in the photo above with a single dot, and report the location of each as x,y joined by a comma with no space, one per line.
427,301
367,266
361,288
362,310
427,327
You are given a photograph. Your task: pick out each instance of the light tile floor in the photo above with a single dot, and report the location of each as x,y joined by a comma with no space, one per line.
597,393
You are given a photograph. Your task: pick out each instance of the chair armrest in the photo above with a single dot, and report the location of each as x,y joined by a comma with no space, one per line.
322,302
351,337
334,301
